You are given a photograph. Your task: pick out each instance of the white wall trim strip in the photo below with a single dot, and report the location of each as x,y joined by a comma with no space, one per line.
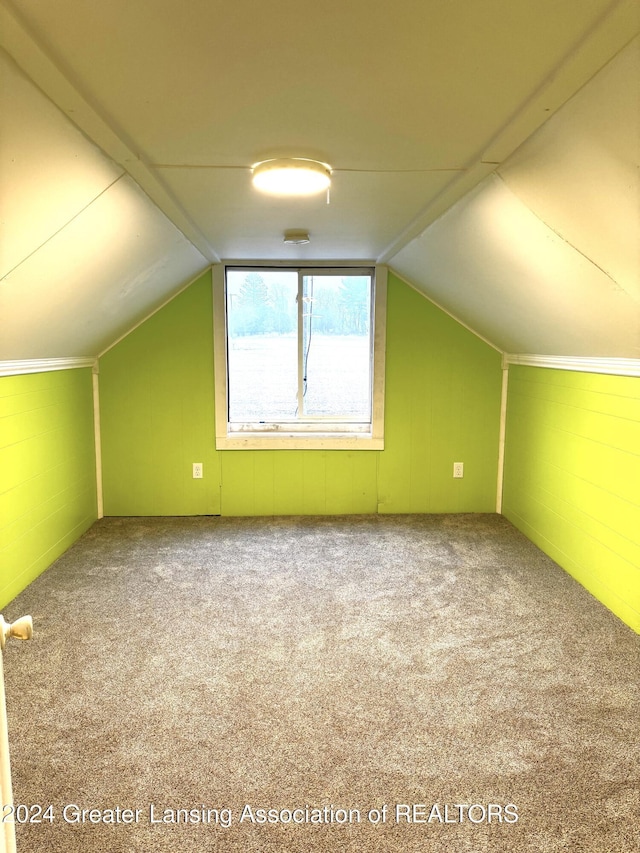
502,437
98,441
615,366
43,365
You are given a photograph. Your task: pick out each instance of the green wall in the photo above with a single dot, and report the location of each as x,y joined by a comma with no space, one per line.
572,477
47,471
157,418
443,389
572,462
156,413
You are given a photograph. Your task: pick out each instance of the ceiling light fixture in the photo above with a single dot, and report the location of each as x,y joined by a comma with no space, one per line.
292,176
296,237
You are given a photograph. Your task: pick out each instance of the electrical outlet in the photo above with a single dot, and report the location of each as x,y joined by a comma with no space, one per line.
458,470
197,470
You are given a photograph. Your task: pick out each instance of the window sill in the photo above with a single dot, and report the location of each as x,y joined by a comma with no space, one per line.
299,441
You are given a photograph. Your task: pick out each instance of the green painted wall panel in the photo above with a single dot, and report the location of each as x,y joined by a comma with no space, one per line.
572,475
579,522
238,484
292,482
288,491
47,471
351,480
610,468
157,413
599,588
580,498
263,482
443,406
156,398
319,495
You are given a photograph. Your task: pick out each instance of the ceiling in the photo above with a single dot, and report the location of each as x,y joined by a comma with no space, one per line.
488,152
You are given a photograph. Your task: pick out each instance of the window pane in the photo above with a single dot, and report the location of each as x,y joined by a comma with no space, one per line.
336,346
262,345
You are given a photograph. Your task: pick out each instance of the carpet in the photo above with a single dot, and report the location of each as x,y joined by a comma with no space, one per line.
367,683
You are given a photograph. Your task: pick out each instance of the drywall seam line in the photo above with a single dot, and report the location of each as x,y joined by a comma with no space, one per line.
216,167
560,236
502,436
97,439
62,227
155,311
445,311
292,263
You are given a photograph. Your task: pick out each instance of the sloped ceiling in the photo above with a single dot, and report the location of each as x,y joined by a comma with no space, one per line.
544,255
84,254
460,157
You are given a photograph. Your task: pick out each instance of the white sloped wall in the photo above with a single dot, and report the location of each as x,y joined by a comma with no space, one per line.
544,256
84,254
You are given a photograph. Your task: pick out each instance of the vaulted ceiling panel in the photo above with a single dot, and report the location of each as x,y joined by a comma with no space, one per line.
84,253
129,135
546,258
364,83
361,217
89,283
580,173
49,171
495,265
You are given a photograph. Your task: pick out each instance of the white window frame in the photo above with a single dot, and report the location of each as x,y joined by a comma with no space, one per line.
299,438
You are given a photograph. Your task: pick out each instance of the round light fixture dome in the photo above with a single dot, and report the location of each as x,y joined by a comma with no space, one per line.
293,176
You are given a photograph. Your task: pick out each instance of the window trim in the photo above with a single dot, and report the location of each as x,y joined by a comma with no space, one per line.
298,439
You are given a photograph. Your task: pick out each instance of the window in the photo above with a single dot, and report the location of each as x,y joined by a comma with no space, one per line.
299,356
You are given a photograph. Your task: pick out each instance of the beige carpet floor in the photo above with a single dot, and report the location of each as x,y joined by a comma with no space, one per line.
407,683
